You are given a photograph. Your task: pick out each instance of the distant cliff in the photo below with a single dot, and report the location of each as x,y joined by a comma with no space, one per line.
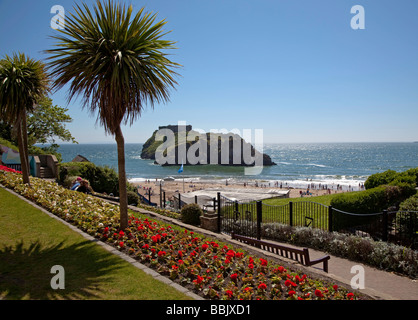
226,143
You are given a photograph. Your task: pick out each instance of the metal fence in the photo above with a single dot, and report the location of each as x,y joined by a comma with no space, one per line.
252,218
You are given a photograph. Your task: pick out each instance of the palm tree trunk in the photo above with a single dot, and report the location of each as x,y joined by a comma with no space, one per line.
25,142
22,153
123,198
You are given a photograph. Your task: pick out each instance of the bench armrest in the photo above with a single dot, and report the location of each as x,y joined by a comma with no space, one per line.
323,259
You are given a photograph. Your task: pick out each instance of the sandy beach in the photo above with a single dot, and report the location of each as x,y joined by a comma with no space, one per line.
174,187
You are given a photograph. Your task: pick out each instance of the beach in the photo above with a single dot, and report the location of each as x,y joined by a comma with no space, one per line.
174,187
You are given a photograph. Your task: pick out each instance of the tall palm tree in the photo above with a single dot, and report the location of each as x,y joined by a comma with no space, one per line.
23,82
115,61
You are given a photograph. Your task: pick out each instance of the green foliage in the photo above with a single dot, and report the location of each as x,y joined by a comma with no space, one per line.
191,213
392,177
133,198
102,178
410,204
372,200
47,122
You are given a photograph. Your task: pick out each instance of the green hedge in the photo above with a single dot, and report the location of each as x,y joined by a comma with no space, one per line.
373,200
392,177
102,178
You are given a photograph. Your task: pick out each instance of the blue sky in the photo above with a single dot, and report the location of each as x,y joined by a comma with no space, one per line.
295,69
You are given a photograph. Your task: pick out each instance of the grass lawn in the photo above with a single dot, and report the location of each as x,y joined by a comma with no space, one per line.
32,242
325,200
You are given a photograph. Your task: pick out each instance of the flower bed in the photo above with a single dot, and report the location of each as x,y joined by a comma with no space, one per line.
212,269
7,169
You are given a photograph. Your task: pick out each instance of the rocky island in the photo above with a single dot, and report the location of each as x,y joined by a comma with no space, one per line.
200,148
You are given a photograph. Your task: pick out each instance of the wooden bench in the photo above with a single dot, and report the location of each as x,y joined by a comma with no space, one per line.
299,255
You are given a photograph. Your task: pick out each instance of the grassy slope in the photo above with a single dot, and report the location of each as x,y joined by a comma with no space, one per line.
31,243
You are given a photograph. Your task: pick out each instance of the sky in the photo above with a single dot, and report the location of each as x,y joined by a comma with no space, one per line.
297,70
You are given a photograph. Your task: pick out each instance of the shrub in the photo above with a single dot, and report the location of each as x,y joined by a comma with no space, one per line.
392,177
133,198
191,213
410,204
102,179
372,200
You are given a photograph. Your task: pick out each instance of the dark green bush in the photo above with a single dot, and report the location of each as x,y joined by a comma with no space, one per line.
133,198
373,200
378,179
102,179
392,177
191,213
410,204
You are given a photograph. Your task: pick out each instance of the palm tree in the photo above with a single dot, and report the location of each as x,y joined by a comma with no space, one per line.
23,82
115,61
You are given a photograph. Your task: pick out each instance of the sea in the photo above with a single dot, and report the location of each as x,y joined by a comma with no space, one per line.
298,165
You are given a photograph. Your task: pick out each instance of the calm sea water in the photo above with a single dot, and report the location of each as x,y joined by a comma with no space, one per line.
331,164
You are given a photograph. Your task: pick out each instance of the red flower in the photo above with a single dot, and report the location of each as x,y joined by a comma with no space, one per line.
291,293
161,253
229,293
251,266
230,253
180,262
234,277
145,246
262,286
263,262
174,267
335,287
350,295
318,293
198,280
289,283
204,246
121,244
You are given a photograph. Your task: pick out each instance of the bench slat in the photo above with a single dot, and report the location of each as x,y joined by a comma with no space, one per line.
299,255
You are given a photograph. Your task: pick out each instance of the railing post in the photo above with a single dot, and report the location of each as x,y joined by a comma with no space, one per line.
195,199
219,212
259,218
161,195
291,213
385,225
164,199
179,201
330,219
